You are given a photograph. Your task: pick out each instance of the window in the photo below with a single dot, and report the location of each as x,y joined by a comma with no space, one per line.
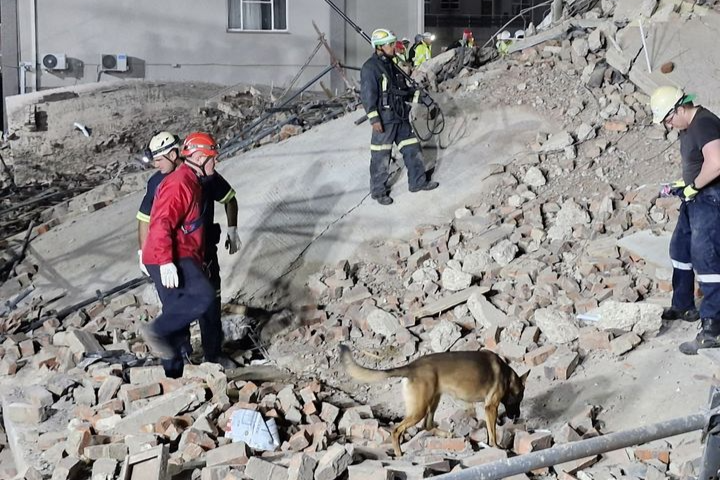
257,15
450,4
520,5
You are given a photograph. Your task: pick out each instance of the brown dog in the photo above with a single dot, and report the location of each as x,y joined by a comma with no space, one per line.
472,377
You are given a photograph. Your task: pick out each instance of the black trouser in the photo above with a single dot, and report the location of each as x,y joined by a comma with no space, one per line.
380,149
211,322
180,307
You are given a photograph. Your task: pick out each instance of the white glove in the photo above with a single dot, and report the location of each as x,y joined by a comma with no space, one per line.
169,275
232,242
142,265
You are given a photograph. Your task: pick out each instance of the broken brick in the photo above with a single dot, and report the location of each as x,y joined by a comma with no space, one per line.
562,364
591,339
526,442
539,355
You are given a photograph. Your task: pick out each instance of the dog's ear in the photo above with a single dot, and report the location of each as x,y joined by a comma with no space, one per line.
524,377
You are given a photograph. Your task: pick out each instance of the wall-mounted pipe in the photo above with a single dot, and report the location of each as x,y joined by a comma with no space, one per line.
34,44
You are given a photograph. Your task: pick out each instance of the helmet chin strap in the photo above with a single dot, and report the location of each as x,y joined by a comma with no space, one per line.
201,167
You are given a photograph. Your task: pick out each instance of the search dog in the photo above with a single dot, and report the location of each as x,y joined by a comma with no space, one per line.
479,376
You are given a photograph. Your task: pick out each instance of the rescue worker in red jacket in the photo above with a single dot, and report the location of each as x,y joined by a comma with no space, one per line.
174,250
164,150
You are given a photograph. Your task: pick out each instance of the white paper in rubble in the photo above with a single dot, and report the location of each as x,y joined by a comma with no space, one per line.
250,427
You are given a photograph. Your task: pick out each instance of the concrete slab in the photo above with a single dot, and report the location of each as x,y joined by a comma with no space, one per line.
303,203
653,248
690,46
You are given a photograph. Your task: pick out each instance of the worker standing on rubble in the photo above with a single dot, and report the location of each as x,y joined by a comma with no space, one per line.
401,57
467,40
695,244
164,151
423,52
385,96
411,52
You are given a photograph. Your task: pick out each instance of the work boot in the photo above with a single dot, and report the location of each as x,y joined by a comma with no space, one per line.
708,337
156,343
673,313
384,200
427,186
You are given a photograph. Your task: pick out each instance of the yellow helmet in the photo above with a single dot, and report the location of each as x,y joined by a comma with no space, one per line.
162,143
665,99
382,36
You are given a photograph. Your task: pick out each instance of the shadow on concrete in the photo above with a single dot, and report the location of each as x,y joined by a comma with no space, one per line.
559,403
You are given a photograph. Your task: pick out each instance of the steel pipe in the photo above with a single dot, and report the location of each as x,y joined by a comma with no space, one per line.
583,448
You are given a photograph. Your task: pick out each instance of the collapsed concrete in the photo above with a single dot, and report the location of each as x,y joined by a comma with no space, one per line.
539,267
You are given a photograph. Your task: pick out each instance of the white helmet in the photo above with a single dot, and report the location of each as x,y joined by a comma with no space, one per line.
504,35
665,99
382,36
162,143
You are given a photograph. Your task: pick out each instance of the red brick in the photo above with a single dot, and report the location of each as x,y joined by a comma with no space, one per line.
447,444
615,126
8,366
492,337
566,434
194,436
27,348
591,339
329,412
531,442
539,355
364,429
115,405
309,409
130,393
170,385
300,441
191,451
645,454
562,364
576,465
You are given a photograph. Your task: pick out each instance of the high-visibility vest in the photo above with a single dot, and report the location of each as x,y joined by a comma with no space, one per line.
423,53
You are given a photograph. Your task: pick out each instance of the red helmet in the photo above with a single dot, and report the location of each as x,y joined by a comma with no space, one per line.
199,142
467,34
399,46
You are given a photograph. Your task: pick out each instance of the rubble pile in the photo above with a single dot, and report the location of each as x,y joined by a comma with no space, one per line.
541,271
81,400
46,163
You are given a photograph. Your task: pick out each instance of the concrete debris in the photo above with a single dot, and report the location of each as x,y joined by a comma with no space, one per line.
558,326
561,262
534,177
444,336
382,322
641,318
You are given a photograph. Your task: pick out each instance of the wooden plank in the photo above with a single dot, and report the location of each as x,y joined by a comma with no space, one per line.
449,302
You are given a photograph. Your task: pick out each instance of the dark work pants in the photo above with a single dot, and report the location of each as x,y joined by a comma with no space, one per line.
695,245
380,150
211,323
180,307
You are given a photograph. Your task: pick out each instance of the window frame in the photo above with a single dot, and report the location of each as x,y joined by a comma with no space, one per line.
449,5
230,29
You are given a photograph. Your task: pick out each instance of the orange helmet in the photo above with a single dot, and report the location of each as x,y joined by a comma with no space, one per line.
199,142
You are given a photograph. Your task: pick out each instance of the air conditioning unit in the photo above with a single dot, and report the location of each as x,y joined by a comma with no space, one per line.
117,62
55,61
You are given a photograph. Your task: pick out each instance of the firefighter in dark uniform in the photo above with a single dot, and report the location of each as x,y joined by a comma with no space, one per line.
385,95
163,150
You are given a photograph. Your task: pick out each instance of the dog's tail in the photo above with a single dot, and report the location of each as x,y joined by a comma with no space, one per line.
367,375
